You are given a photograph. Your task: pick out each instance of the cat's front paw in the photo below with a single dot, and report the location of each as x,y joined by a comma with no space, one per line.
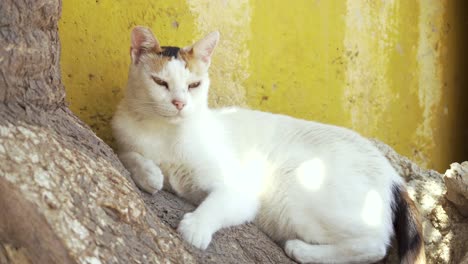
148,177
297,250
195,231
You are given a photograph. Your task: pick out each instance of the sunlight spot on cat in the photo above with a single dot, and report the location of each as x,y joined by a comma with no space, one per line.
255,162
372,210
311,174
257,165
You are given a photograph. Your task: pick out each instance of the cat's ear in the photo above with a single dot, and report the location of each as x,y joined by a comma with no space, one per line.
203,49
142,40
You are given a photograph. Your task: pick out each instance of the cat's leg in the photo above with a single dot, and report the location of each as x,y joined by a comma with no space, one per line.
358,250
222,208
144,172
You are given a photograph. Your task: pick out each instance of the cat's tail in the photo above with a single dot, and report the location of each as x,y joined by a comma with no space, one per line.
408,228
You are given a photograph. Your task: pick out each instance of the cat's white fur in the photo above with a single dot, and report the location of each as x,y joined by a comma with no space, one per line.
322,190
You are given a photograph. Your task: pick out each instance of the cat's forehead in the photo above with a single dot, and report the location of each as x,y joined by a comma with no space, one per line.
167,58
156,61
175,69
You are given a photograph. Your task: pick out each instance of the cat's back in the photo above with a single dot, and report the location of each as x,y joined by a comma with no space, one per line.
314,165
276,128
286,140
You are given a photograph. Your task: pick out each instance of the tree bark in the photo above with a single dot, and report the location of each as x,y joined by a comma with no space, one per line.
456,180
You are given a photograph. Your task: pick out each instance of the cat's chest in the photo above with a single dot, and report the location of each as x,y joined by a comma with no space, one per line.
161,147
169,153
178,179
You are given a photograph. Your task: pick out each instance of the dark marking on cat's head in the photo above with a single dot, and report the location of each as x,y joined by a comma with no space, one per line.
169,51
145,49
157,59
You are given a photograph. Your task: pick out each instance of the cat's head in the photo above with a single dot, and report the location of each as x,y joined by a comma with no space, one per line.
168,82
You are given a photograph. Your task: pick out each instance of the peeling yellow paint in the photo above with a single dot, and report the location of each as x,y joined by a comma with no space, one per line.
430,84
375,66
232,19
297,60
369,40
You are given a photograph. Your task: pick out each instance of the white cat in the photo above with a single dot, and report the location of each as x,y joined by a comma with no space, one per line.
324,192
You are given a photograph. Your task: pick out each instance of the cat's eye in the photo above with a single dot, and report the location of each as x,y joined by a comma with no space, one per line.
160,82
194,85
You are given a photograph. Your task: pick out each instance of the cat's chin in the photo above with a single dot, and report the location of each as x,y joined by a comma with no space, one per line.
170,119
183,116
175,119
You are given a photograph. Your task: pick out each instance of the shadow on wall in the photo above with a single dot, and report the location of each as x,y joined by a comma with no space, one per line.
460,128
459,136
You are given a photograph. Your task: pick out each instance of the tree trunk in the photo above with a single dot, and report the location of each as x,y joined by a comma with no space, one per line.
66,198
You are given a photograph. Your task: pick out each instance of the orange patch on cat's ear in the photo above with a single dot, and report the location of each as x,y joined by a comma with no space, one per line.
198,56
191,62
142,41
186,54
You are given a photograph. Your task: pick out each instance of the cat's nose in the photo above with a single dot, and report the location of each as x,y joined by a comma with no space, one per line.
178,104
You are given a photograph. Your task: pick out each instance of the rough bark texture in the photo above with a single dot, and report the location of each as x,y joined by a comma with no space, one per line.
456,180
65,197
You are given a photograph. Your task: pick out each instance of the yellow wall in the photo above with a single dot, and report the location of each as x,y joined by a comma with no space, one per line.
375,66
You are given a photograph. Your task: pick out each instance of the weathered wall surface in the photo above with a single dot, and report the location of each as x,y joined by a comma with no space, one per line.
383,68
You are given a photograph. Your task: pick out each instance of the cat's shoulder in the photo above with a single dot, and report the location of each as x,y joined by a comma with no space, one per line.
123,118
238,111
128,124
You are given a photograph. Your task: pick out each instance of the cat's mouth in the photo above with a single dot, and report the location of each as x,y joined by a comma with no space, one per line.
172,116
176,118
166,113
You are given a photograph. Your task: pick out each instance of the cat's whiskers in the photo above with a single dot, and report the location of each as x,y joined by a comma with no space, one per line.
139,101
152,107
